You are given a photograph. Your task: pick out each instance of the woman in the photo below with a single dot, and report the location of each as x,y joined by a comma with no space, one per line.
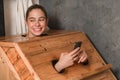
37,21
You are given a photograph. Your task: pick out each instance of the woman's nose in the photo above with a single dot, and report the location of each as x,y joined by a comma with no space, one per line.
37,23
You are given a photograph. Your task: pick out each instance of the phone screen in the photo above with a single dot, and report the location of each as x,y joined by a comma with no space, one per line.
77,44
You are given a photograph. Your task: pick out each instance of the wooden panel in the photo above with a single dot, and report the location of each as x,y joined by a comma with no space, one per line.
17,64
31,58
8,64
40,53
5,71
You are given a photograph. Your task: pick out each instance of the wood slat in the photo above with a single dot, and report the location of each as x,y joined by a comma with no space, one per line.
96,71
6,44
9,64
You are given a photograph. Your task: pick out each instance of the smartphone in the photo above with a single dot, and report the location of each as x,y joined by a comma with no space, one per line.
77,44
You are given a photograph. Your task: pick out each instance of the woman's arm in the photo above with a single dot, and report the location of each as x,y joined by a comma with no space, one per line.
68,59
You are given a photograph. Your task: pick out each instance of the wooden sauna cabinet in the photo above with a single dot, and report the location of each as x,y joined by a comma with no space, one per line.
23,58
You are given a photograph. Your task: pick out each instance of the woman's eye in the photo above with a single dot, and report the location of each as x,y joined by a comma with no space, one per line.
42,19
32,20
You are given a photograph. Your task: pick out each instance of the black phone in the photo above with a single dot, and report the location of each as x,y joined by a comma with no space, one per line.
77,44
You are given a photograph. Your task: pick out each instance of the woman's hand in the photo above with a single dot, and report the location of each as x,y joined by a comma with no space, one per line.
82,57
67,59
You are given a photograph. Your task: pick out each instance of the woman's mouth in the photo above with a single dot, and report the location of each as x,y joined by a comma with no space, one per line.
37,29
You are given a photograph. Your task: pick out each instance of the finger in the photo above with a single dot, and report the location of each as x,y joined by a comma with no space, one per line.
80,53
74,51
76,54
80,59
75,59
83,59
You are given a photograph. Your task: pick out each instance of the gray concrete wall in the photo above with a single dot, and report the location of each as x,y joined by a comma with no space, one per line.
99,19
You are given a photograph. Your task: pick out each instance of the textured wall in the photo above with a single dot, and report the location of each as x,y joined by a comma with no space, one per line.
99,19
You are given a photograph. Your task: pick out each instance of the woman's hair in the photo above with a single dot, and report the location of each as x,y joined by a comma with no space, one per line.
35,6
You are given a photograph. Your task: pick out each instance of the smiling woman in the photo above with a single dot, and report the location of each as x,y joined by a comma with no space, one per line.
36,20
14,11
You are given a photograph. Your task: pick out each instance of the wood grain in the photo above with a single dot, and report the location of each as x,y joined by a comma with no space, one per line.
31,58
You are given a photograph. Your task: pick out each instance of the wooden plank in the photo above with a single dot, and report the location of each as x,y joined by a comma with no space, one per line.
43,43
96,71
6,44
41,61
18,64
27,63
5,71
9,64
32,58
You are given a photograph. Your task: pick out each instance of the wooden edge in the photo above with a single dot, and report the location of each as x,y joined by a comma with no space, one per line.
11,67
98,54
95,50
7,44
51,36
96,71
30,68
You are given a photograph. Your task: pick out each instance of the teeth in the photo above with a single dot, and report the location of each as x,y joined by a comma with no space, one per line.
36,29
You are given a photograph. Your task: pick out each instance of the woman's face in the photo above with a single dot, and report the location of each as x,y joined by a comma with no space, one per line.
36,22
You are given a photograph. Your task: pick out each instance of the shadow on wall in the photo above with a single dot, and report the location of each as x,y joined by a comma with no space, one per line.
54,22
